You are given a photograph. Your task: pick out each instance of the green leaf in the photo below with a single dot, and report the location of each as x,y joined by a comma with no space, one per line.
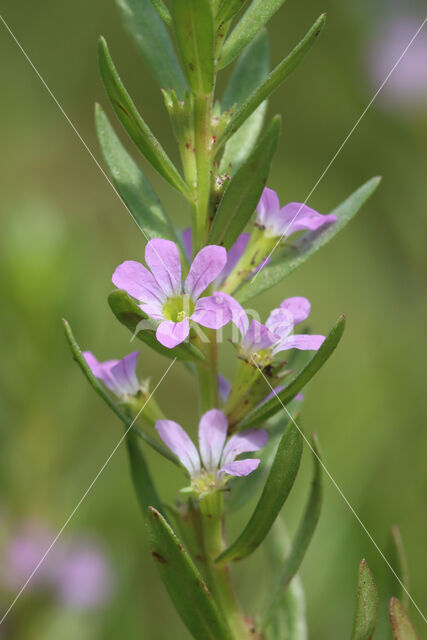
276,490
269,408
257,15
153,41
288,618
366,605
228,9
130,315
244,191
135,126
401,625
163,11
289,567
194,27
133,187
250,71
272,82
185,585
396,556
141,478
79,358
306,245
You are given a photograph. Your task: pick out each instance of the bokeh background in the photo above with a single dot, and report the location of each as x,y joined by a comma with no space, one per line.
63,231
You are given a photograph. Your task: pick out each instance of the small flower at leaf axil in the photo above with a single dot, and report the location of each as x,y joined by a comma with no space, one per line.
119,376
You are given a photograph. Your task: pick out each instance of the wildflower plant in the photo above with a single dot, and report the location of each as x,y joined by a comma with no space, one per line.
194,282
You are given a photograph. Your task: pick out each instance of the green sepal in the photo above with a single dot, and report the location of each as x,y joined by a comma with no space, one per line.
133,187
185,585
142,21
401,625
94,382
276,490
269,408
145,490
272,82
302,538
305,246
227,10
366,605
251,69
244,191
195,31
163,11
257,15
134,124
130,315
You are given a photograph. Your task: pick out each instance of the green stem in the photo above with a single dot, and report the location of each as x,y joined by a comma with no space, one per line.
258,249
207,373
219,575
202,131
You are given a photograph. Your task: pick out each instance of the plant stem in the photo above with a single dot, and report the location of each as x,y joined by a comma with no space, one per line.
208,373
219,575
202,134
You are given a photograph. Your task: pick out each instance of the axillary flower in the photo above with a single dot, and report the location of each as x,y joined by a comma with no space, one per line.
165,299
210,469
119,376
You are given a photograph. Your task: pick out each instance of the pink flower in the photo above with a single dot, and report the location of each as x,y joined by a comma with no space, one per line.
285,221
217,458
277,333
118,375
166,299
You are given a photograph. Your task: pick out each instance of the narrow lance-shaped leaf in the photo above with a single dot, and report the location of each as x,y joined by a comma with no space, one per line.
272,82
269,408
366,605
307,245
276,490
185,585
145,490
79,358
135,126
133,187
131,316
228,9
401,625
163,11
251,69
291,564
194,27
288,618
257,15
244,191
153,41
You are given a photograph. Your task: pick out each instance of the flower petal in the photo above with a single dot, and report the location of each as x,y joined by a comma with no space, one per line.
233,256
224,388
296,216
124,375
240,468
243,442
304,342
257,338
268,205
239,316
280,322
207,265
213,428
170,334
298,306
187,241
137,281
213,311
162,256
101,370
177,440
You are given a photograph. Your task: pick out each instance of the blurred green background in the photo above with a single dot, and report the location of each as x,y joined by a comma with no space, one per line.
63,231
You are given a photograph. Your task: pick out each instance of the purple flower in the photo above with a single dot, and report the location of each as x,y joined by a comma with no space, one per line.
265,341
118,375
217,459
224,388
285,221
166,299
407,86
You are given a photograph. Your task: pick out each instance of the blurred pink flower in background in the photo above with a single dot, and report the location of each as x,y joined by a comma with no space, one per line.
407,85
76,572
